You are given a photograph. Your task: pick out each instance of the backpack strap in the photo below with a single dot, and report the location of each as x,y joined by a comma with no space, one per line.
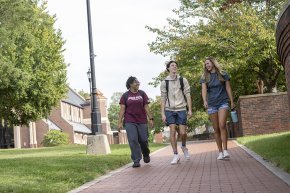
142,93
167,88
181,83
182,89
126,94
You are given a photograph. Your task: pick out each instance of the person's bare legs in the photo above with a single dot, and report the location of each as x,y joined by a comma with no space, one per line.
222,118
173,139
217,133
183,134
182,130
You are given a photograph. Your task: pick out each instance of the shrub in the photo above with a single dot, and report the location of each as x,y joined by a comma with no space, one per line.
151,136
55,138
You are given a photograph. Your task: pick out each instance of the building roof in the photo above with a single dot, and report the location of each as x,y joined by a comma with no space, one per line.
100,95
51,125
80,128
74,98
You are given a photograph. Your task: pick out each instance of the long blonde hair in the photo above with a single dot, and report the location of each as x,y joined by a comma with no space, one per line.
206,73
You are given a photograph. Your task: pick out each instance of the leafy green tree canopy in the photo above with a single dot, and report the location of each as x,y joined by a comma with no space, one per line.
240,34
84,94
32,68
113,111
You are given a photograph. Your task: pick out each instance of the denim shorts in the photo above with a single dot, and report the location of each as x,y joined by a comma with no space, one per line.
176,117
215,109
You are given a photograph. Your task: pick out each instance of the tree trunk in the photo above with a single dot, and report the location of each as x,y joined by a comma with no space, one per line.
260,86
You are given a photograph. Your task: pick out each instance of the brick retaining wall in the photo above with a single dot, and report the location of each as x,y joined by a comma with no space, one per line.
263,113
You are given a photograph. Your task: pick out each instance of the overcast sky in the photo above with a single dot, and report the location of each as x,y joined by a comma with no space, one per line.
120,41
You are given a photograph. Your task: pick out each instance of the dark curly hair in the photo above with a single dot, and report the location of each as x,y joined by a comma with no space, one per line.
130,80
168,64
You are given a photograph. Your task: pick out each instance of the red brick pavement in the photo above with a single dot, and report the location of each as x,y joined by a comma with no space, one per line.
202,174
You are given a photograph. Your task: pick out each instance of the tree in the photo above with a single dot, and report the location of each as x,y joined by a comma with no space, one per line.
155,111
32,68
198,118
115,99
84,94
113,115
239,34
113,111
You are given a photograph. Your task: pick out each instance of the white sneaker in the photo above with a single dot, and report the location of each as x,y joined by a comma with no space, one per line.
185,152
226,154
221,156
175,159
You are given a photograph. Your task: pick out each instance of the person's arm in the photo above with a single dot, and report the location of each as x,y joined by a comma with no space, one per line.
229,92
189,104
121,117
204,94
163,101
188,97
151,120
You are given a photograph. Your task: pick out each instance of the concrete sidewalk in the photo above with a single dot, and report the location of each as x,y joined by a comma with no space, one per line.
202,174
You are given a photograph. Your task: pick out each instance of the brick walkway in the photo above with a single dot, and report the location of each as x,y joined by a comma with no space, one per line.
202,174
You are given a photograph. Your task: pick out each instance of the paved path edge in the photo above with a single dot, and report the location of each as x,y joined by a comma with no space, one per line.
271,167
88,184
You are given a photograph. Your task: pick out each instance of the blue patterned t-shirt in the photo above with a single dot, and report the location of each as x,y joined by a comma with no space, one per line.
216,90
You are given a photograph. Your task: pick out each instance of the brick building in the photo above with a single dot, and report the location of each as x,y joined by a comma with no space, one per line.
114,137
71,116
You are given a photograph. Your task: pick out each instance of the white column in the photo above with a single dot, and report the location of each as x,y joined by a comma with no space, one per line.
30,135
17,138
34,135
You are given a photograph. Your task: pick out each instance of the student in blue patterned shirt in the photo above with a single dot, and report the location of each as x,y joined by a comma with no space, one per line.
216,95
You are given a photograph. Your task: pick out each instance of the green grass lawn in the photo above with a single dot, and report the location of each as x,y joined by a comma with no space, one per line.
57,169
273,147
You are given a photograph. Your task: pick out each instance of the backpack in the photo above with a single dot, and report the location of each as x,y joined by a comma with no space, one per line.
182,89
126,95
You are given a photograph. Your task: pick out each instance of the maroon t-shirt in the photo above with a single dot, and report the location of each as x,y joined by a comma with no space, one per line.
135,111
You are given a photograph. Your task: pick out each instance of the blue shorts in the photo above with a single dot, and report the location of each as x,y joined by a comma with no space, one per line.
176,117
215,109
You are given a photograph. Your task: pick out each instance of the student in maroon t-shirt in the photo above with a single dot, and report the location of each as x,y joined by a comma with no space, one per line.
133,115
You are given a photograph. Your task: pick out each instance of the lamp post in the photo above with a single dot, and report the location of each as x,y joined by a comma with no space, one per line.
89,77
90,80
95,112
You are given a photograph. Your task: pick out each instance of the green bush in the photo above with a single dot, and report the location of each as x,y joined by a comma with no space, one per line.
151,136
55,138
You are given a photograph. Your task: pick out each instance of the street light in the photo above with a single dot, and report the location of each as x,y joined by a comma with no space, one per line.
89,77
90,80
97,143
95,112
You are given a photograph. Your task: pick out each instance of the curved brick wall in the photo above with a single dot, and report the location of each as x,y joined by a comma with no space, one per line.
283,43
